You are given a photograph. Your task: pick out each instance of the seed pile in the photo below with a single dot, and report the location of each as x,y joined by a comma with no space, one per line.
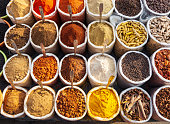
71,103
128,7
160,29
131,33
163,102
135,66
4,28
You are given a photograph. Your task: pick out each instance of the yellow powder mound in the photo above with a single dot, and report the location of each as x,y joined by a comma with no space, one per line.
1,98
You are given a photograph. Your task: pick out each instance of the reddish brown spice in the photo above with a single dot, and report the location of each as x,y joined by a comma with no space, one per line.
70,32
162,63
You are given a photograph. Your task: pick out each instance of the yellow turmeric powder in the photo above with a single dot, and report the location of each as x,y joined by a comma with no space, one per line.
103,103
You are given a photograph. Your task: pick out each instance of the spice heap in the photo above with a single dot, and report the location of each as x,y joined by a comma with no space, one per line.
159,28
163,102
17,68
40,102
103,103
47,5
76,5
2,61
3,5
4,28
1,98
93,6
14,101
136,105
160,6
41,31
128,7
20,7
102,67
45,68
70,32
131,33
76,64
162,60
71,103
135,66
99,33
19,34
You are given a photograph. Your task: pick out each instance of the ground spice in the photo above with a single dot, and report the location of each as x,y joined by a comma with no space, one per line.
70,32
131,33
14,101
47,5
162,63
17,68
99,33
76,64
40,102
45,68
3,5
163,102
76,5
128,7
93,6
4,28
2,61
20,7
159,28
71,103
133,103
102,67
103,103
19,34
135,66
41,31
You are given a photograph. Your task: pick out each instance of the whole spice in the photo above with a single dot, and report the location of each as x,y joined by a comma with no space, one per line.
76,64
20,7
103,103
135,66
163,102
45,68
2,61
14,101
47,5
40,102
41,31
3,5
100,32
70,32
162,63
93,6
160,6
76,5
71,103
131,33
17,68
19,34
4,28
159,28
102,67
128,7
136,105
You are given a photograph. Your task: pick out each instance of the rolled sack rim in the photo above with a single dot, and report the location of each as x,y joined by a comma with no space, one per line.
2,110
28,73
26,99
89,70
56,75
22,48
79,46
121,109
62,116
151,36
154,67
136,47
100,118
5,59
74,83
130,17
101,47
137,83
